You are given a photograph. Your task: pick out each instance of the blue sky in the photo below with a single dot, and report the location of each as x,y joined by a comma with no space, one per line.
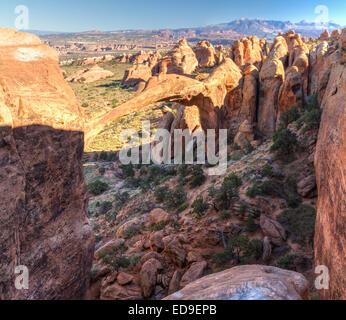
107,15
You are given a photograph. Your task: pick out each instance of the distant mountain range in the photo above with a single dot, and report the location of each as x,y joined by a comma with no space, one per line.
270,28
235,29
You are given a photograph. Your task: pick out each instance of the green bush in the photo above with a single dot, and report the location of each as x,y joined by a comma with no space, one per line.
175,198
251,225
284,142
85,105
198,177
235,147
229,191
249,148
225,215
183,170
199,207
96,157
128,170
104,156
97,187
289,116
253,250
158,226
267,170
102,171
105,207
160,193
237,157
312,120
286,189
300,222
287,262
132,231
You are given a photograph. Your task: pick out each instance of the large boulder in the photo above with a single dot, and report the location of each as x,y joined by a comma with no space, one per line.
273,230
247,283
196,271
43,198
330,164
148,276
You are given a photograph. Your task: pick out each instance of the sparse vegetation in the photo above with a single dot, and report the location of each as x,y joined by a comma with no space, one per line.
97,187
239,250
285,189
199,207
300,222
287,262
288,117
198,177
229,191
284,142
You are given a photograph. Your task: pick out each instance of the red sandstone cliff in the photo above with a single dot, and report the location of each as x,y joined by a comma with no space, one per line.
43,195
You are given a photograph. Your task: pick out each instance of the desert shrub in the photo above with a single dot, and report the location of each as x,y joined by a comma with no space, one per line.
132,231
183,170
248,148
105,207
229,191
198,177
312,120
240,250
85,105
253,250
115,102
97,187
267,170
128,170
143,171
251,225
111,216
160,193
300,222
183,207
221,258
284,142
225,215
313,102
175,198
158,226
289,116
199,207
96,157
102,171
235,147
286,189
287,262
254,191
237,157
103,156
121,199
112,156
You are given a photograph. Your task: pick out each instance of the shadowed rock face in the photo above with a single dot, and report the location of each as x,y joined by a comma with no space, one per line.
246,283
330,164
43,195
